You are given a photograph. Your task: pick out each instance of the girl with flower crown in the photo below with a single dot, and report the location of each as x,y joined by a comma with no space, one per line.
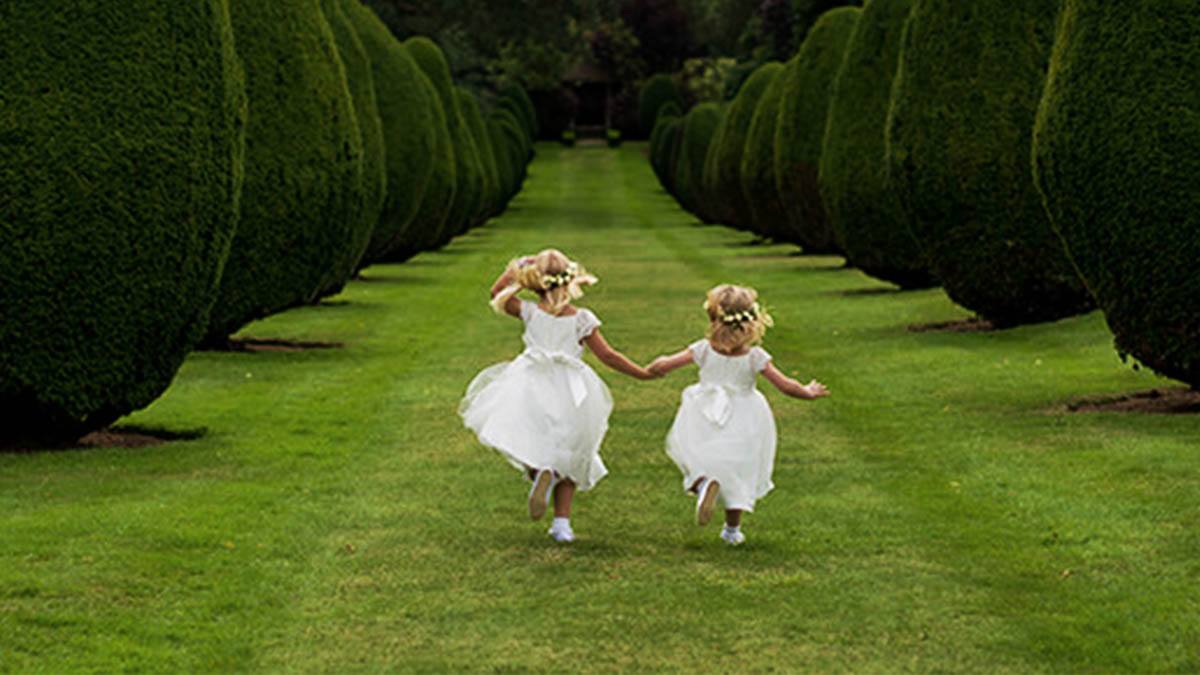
723,438
546,411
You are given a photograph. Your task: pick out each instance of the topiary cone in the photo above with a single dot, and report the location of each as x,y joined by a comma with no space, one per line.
868,222
120,179
800,135
303,190
959,135
1117,158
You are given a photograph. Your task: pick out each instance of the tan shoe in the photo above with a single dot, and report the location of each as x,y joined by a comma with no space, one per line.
539,494
706,499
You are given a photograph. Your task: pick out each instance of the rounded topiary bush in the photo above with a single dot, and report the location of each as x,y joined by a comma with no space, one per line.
361,82
506,170
524,106
660,140
303,184
413,126
120,176
1117,155
803,113
867,221
760,188
490,198
723,165
518,141
658,91
467,168
960,126
698,127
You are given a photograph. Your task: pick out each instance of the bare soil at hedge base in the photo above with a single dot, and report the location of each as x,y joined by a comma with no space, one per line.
251,344
1166,401
971,325
113,437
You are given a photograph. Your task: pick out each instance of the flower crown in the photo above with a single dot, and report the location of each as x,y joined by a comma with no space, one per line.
552,281
738,318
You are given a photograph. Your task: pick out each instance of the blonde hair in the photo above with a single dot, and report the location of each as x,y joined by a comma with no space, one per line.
555,278
736,320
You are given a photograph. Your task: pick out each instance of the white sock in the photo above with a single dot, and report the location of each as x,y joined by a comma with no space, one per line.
560,522
733,529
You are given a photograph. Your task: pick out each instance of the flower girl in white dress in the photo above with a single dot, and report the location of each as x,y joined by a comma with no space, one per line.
546,411
723,438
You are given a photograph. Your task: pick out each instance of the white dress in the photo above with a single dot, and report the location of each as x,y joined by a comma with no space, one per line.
546,408
724,428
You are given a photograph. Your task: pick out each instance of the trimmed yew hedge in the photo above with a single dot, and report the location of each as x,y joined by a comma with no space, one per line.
699,125
867,221
120,180
657,92
760,187
490,203
303,184
415,162
523,107
662,138
361,83
960,128
467,168
1117,156
723,165
801,132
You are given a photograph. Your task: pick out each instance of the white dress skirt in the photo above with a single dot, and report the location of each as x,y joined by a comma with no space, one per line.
546,408
724,429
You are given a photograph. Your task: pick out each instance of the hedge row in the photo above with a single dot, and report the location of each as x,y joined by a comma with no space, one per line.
149,208
917,154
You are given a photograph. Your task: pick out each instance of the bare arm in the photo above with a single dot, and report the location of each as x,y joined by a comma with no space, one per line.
613,358
512,306
791,387
665,364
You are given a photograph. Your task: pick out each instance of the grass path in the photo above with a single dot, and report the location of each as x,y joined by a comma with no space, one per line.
937,513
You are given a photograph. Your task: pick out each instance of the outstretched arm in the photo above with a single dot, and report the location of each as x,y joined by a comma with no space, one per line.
665,364
791,387
613,358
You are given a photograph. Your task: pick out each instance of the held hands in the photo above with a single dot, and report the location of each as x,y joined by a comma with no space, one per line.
657,367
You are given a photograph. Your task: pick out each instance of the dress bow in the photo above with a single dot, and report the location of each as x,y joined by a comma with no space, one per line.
715,403
574,365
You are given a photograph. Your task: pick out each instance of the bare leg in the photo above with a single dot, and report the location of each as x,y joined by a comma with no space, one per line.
733,517
696,486
564,492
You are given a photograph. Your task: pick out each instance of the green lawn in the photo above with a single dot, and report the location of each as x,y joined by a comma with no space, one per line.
938,512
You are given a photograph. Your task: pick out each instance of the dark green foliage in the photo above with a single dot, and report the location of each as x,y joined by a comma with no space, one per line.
723,166
303,190
658,91
415,162
803,113
467,168
490,201
660,141
699,125
1117,156
120,177
506,170
760,189
960,127
524,106
518,140
866,218
366,109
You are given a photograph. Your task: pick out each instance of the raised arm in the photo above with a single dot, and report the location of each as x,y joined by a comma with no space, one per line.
613,358
512,304
665,364
791,387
